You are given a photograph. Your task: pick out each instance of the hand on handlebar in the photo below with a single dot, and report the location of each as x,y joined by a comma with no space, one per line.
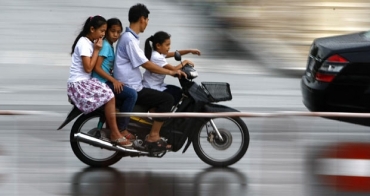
178,73
185,62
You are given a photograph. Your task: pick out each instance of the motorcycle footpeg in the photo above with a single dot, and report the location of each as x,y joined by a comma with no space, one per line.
138,144
154,150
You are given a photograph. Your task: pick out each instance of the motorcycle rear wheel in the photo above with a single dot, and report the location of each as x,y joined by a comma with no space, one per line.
222,153
88,154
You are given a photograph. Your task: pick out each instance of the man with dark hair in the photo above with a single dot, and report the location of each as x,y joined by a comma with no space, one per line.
137,11
129,58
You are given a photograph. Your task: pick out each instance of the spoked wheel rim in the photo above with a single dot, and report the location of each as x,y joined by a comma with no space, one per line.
91,152
222,151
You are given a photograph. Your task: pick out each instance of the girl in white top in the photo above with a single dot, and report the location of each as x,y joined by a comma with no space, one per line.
157,53
87,93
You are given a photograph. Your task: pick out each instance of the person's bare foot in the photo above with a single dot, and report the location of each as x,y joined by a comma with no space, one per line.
128,135
122,141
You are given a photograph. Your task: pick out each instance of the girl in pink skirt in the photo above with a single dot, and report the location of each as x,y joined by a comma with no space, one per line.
88,94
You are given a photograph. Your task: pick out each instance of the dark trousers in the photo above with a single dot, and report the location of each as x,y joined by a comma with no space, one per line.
175,91
150,98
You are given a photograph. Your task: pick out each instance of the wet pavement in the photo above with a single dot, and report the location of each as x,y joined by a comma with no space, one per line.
37,160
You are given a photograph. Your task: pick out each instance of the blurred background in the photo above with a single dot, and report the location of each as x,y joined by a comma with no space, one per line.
259,47
279,33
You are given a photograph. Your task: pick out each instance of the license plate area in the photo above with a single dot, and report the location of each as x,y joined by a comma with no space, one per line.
310,66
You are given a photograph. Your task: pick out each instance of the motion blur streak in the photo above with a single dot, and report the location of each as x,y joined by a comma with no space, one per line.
280,32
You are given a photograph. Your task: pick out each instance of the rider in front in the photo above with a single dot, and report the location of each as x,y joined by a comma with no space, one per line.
129,58
157,53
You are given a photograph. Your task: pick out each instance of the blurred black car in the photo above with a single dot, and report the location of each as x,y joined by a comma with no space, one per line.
337,77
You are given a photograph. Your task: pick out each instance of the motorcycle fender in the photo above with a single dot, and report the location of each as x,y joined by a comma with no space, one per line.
187,145
195,125
210,107
75,112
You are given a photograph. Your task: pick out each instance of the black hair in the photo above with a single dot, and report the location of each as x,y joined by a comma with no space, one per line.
92,21
113,21
158,38
136,12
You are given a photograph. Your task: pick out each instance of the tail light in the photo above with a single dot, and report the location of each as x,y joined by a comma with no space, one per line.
330,68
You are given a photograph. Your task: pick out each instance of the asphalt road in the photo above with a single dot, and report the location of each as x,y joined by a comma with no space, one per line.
35,159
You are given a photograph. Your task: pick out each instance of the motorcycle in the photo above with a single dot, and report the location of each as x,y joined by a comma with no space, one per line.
219,142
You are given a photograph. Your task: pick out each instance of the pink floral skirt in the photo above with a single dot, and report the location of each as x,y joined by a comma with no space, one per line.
89,95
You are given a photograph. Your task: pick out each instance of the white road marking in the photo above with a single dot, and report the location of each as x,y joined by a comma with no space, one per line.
343,167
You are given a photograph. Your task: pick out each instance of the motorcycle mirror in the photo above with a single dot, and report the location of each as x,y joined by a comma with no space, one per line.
177,56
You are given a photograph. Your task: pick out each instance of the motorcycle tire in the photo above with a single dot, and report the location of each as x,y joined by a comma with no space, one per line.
215,152
88,154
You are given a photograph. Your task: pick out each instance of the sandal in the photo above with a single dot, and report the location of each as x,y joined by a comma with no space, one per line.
158,145
131,137
122,142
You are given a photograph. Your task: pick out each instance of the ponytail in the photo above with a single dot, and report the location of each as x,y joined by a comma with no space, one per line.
84,32
92,21
158,38
148,49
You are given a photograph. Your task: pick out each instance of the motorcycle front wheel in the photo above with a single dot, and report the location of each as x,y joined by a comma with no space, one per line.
88,154
222,153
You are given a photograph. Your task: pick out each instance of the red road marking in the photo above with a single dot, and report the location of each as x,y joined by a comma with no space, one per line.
346,167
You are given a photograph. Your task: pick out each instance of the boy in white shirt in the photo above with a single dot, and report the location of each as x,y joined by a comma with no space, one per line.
129,58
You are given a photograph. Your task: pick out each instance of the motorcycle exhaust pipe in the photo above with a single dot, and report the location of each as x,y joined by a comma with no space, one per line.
106,145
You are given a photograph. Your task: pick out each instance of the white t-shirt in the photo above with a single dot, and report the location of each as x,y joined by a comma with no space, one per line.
153,80
129,58
84,47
